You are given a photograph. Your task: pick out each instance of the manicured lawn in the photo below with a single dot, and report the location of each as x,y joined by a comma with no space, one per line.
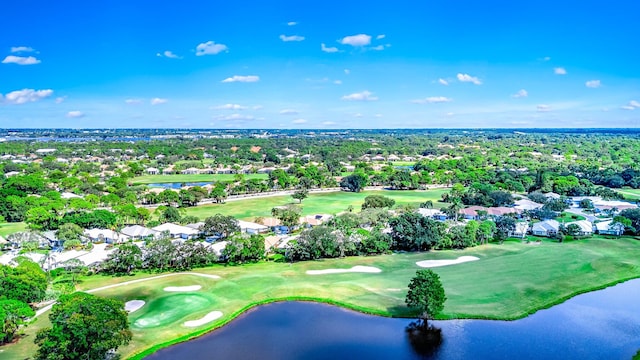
569,217
10,228
179,178
630,194
316,203
509,281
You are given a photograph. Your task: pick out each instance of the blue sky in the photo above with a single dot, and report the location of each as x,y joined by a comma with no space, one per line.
312,64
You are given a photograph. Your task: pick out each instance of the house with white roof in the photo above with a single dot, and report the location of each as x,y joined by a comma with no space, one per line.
435,214
105,235
138,232
177,231
520,231
152,171
586,227
546,228
609,228
252,228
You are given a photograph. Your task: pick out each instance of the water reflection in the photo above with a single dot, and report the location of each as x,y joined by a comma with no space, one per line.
425,338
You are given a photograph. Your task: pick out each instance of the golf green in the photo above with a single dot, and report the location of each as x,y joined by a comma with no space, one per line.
169,309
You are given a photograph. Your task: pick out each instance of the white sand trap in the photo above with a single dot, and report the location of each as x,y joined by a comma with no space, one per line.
133,305
182,288
355,269
214,315
437,263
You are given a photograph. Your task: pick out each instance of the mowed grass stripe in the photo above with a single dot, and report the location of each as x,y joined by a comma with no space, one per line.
316,203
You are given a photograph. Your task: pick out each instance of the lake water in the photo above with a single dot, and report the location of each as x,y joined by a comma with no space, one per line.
178,185
599,325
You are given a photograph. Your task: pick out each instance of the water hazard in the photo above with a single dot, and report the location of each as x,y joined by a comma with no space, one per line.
600,325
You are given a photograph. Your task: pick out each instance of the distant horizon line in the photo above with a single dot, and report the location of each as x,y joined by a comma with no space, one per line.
325,129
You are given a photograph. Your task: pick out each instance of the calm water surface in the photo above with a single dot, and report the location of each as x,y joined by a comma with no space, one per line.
600,325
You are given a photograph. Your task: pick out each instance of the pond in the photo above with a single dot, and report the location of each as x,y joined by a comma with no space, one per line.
603,324
178,185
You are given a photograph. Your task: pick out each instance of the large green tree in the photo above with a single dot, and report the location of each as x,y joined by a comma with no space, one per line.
426,294
13,313
83,326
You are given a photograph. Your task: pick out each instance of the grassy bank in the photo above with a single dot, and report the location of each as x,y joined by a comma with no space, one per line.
179,178
316,203
509,281
10,228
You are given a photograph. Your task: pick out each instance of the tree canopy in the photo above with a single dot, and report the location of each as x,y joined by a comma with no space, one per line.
83,326
426,294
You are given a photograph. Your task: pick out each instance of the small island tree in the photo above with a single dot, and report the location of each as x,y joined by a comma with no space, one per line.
426,294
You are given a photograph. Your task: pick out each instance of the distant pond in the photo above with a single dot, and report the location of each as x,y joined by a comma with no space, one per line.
603,324
178,185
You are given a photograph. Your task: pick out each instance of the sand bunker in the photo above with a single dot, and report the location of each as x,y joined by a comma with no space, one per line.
355,269
182,288
437,263
133,305
204,320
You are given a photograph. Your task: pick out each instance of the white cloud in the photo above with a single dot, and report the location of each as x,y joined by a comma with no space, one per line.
520,94
61,99
235,117
546,58
377,48
326,49
158,101
378,115
337,82
26,95
560,71
17,49
20,60
627,107
432,100
288,112
443,82
292,23
291,38
361,96
469,78
347,71
210,48
381,36
75,114
356,40
543,108
240,78
358,115
257,107
299,121
634,103
133,101
230,107
327,123
168,54
593,84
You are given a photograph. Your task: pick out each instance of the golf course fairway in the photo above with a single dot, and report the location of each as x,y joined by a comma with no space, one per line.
509,281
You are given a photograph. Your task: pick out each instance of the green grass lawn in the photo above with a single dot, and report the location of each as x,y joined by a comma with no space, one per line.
316,203
569,217
509,281
10,228
179,178
629,194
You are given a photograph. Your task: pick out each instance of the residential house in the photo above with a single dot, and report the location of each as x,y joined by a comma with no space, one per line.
609,228
586,227
177,231
138,232
314,220
190,171
252,228
435,214
270,242
105,235
152,171
526,204
473,212
520,231
167,171
546,228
